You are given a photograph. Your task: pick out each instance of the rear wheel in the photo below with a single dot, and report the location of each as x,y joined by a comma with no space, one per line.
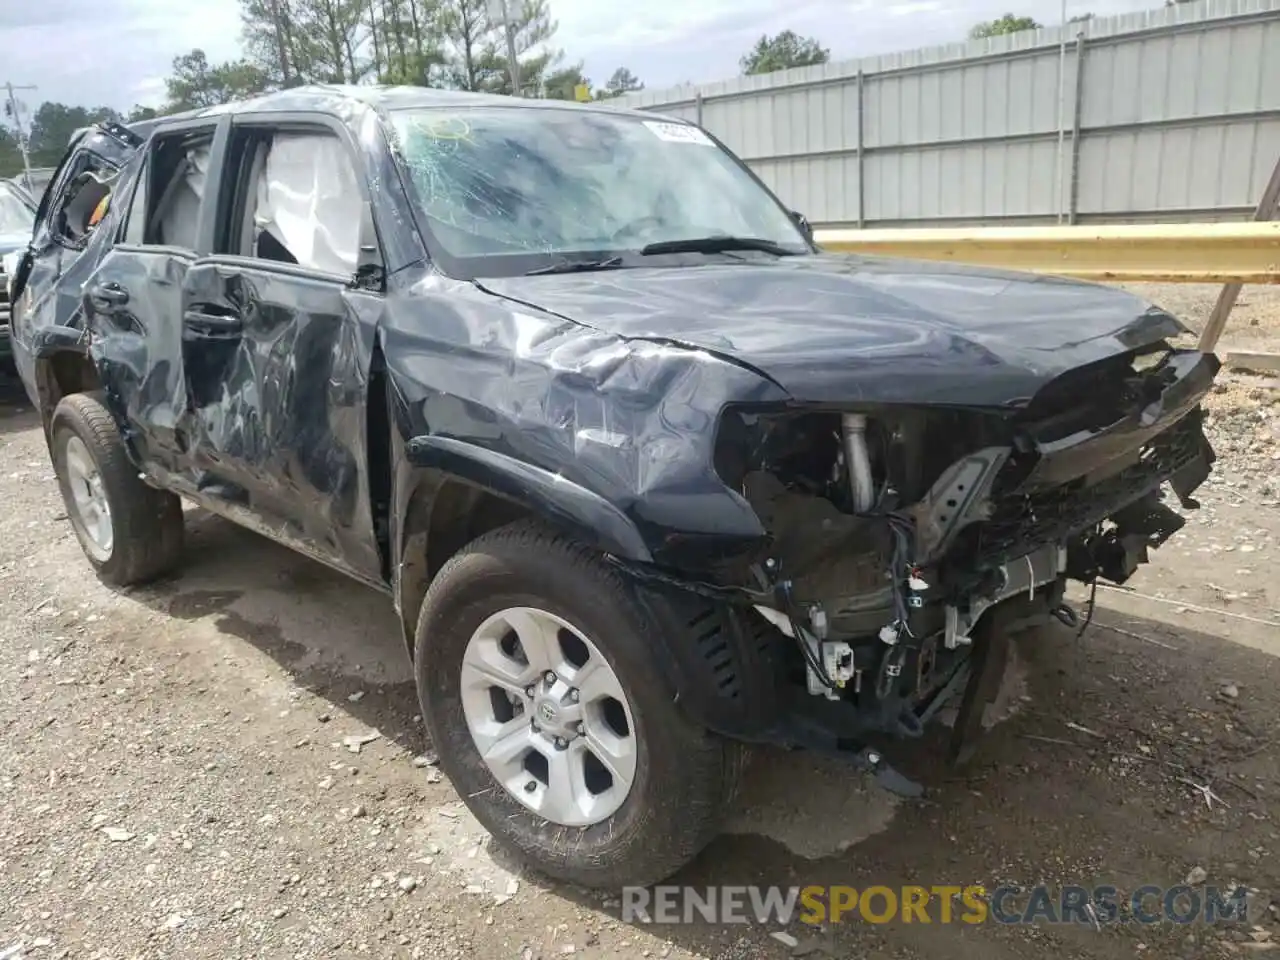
535,666
129,532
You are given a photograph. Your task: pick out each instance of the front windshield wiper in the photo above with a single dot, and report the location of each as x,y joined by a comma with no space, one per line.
577,266
716,244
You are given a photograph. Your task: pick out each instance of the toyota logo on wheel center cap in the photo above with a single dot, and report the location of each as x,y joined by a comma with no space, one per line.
547,712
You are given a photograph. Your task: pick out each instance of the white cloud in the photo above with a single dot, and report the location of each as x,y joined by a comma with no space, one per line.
105,52
667,42
117,52
149,91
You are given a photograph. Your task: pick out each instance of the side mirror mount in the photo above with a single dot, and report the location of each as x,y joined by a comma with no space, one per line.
803,223
369,274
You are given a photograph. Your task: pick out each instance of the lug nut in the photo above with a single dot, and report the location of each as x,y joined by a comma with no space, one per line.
580,728
531,786
549,676
573,696
530,691
561,743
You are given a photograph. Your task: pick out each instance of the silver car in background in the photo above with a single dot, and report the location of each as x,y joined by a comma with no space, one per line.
17,218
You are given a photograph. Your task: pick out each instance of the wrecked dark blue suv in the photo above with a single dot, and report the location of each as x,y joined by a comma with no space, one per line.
646,475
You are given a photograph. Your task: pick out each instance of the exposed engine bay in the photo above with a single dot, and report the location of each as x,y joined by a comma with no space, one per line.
896,531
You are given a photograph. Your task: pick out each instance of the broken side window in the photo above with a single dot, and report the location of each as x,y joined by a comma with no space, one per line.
81,203
296,200
170,191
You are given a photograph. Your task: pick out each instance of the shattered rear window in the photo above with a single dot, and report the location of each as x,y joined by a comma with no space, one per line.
511,180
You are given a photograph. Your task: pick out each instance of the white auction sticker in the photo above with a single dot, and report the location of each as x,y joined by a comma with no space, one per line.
678,133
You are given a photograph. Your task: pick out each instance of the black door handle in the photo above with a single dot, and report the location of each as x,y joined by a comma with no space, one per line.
212,324
105,297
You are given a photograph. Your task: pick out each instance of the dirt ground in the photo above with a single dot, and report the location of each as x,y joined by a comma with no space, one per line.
175,778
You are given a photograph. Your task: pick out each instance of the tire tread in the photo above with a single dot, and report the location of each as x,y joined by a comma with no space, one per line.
711,766
147,523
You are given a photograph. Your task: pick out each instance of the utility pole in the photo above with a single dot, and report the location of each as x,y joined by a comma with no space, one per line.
14,109
1059,164
500,10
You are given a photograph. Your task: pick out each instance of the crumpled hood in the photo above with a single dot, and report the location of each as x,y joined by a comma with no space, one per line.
848,329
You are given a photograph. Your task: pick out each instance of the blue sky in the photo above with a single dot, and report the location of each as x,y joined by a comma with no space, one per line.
118,52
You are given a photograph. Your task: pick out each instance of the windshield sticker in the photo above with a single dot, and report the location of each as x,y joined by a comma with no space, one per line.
678,133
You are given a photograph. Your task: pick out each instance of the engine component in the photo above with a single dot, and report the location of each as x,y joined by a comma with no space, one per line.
1023,575
829,664
858,461
837,660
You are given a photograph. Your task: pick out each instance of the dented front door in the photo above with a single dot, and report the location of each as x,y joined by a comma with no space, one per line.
47,285
276,362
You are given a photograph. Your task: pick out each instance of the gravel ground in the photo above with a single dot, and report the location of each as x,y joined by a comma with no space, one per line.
185,771
1254,323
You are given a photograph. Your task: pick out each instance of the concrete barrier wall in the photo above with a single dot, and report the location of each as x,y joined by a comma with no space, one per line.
1170,115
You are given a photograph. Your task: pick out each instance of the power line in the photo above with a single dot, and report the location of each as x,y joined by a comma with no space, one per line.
13,108
500,11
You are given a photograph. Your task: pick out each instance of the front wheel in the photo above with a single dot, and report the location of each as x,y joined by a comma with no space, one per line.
129,532
535,664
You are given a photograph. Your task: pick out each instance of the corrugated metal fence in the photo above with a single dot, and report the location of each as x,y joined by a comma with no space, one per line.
1172,114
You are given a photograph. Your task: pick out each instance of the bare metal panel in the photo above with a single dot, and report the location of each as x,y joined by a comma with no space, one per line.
1179,115
803,184
1192,168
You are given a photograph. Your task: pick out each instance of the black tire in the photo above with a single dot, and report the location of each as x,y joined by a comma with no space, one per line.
146,523
679,793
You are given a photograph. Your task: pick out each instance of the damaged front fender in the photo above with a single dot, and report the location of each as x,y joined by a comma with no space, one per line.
613,438
585,515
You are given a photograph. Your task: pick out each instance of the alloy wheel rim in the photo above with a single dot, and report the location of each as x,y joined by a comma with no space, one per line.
89,506
549,717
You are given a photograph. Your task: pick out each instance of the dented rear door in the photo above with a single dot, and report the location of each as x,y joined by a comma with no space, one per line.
133,299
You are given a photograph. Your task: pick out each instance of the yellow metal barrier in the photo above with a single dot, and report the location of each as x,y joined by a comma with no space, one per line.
1162,252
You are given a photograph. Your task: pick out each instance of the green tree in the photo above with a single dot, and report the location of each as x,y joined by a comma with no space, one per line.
307,41
1006,24
532,29
10,154
445,43
270,40
195,83
406,37
332,35
470,41
53,125
142,112
622,81
562,84
782,52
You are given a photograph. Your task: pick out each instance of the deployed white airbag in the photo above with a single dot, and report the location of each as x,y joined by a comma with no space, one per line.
309,201
179,212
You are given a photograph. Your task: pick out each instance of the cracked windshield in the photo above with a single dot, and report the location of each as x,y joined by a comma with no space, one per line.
736,480
501,180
